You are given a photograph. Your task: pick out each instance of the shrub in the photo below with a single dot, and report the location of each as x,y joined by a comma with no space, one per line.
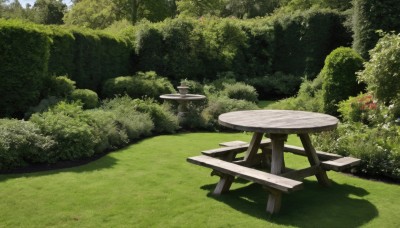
309,98
21,142
112,134
381,73
147,84
70,127
339,77
219,105
88,97
61,86
240,91
377,147
358,109
164,120
135,123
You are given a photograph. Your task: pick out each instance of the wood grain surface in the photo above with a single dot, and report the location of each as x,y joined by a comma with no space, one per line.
278,121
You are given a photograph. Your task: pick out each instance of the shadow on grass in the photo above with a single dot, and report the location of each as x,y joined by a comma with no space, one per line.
85,165
314,206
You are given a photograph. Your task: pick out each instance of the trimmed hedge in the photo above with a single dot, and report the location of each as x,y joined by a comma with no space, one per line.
339,78
24,53
370,16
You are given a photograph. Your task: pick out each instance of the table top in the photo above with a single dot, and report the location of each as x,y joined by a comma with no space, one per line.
278,121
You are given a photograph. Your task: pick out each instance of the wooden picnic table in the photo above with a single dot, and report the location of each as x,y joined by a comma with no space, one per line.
277,125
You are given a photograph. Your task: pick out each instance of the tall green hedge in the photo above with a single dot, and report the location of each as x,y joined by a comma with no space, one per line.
24,54
370,16
303,40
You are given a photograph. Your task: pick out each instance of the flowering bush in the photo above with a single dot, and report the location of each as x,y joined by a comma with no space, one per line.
358,109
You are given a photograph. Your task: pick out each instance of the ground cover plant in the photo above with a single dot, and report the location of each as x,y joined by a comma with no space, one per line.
149,184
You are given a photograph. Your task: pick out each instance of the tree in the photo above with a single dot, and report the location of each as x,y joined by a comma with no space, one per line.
48,11
102,13
95,14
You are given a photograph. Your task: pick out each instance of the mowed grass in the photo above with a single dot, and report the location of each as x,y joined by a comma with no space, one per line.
150,184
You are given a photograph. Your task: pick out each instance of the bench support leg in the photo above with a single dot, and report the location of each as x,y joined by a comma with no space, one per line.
314,160
274,201
223,185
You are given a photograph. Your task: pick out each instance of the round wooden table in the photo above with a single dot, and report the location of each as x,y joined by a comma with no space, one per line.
278,124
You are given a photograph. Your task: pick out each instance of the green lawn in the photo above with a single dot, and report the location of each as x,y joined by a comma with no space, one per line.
149,184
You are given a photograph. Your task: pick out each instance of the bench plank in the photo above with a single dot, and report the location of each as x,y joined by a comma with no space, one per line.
280,183
340,164
237,148
300,151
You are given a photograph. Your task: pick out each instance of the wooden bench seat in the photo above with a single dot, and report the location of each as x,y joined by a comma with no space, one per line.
279,183
234,147
340,164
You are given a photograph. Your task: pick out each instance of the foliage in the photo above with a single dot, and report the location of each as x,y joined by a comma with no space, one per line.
377,147
276,85
71,128
136,124
21,83
298,50
240,91
370,16
381,73
164,120
88,98
21,142
92,14
339,77
147,84
219,105
112,134
358,109
48,11
61,86
309,98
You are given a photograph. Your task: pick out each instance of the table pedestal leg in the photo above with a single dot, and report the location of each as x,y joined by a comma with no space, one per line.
277,165
314,160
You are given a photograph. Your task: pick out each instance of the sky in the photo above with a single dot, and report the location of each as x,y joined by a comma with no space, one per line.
24,2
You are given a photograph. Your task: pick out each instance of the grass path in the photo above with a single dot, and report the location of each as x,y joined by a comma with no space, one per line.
149,184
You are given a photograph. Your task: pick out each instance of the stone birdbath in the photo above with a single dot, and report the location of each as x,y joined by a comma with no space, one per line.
183,97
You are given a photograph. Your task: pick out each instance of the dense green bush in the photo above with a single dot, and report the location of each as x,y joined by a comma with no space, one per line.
164,120
88,97
21,142
381,73
60,86
377,147
70,127
147,84
112,134
358,109
136,124
219,105
24,53
240,91
370,16
339,77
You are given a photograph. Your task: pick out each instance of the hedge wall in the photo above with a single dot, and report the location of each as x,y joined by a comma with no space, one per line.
303,40
370,16
24,53
206,47
30,54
